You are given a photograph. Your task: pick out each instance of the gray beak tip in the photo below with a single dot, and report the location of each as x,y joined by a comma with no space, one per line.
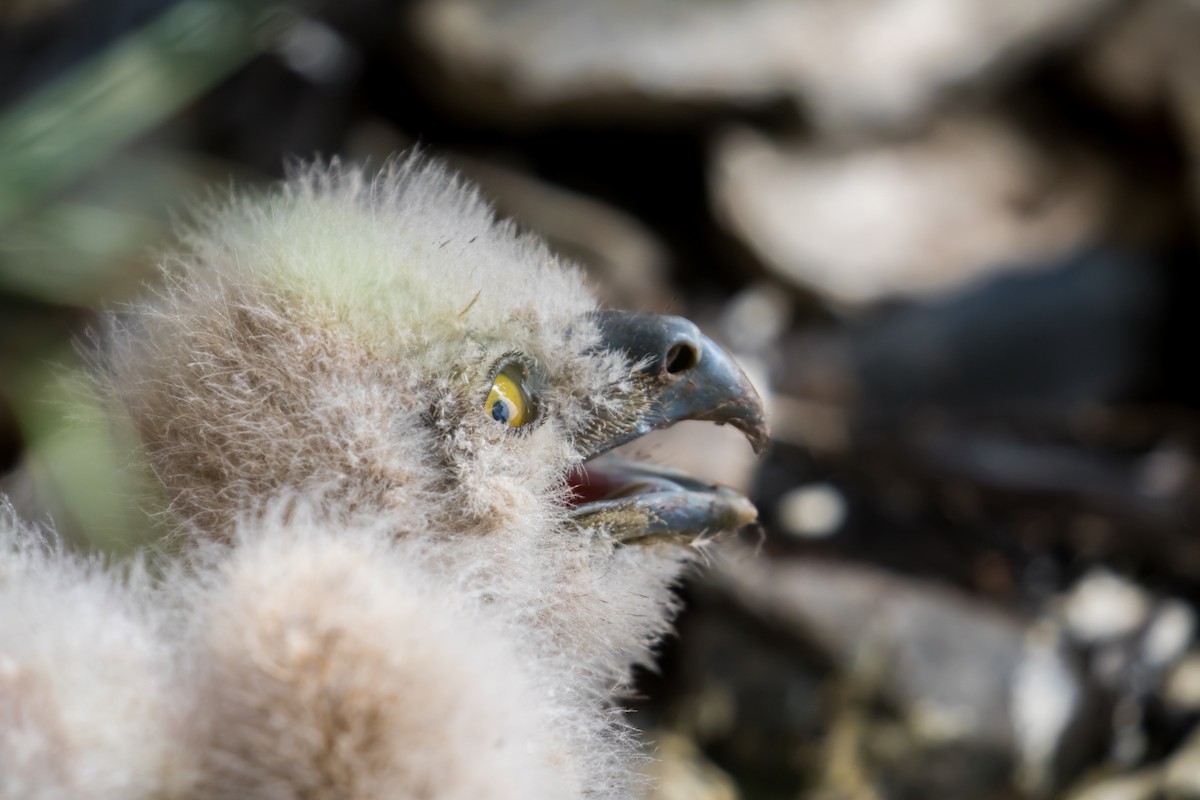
688,375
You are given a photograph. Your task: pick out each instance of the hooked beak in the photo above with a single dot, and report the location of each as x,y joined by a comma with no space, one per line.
677,374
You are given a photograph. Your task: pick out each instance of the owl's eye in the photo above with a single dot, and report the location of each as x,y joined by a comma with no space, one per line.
508,402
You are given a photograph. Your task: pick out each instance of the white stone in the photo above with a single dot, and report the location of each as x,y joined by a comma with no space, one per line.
970,197
814,511
1104,606
1169,634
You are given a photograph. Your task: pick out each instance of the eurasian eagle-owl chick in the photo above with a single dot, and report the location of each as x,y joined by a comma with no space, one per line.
382,417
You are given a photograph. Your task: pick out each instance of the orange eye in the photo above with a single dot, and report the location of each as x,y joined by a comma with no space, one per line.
507,402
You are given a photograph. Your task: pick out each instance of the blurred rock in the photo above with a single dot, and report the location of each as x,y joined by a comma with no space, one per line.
817,426
1144,56
1181,776
1182,690
1147,61
1062,337
1170,632
1141,785
1052,345
814,511
949,662
981,700
756,318
1135,643
756,702
1134,636
1045,700
318,52
853,62
971,197
625,261
1104,606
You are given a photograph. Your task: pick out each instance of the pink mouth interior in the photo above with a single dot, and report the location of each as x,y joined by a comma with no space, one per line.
589,486
609,480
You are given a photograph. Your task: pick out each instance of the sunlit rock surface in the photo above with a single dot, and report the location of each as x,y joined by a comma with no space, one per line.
906,216
852,62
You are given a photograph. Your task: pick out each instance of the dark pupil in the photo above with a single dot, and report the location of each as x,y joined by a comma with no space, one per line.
500,411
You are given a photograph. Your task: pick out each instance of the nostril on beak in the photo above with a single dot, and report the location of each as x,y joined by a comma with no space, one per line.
681,358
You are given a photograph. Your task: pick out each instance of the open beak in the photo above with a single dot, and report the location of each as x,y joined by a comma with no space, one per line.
677,374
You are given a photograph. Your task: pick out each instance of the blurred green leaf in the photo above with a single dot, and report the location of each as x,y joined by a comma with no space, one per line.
81,458
76,123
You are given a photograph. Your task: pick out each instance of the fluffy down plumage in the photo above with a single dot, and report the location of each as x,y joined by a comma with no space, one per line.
380,591
94,700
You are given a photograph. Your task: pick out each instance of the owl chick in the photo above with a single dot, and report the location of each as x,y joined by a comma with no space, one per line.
383,418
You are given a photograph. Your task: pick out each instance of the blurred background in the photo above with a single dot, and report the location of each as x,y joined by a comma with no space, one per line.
954,241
